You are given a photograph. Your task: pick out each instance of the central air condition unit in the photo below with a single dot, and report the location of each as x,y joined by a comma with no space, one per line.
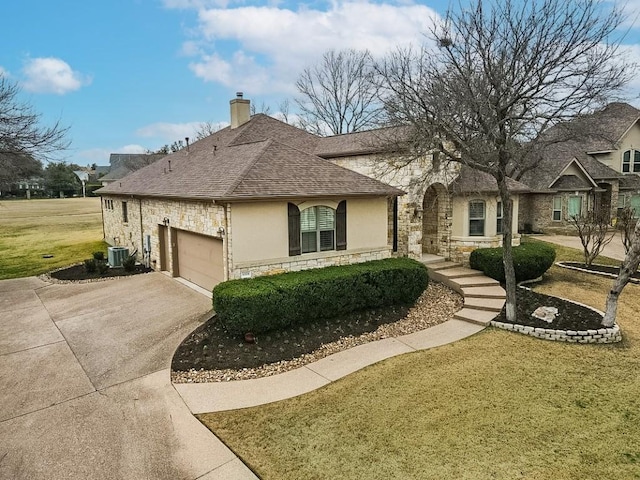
117,255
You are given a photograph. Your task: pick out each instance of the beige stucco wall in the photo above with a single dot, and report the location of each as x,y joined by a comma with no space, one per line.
255,235
268,252
462,244
259,231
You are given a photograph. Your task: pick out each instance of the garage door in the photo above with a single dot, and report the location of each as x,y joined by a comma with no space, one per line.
200,259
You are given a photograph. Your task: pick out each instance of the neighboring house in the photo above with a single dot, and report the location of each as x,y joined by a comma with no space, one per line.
122,164
251,199
30,187
596,168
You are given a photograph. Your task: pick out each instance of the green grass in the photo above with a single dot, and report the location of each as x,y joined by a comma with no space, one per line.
497,405
68,229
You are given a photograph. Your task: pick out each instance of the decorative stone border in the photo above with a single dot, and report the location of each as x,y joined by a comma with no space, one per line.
601,335
46,277
592,272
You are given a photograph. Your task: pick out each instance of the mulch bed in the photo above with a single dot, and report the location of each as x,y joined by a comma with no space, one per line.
210,347
571,316
79,272
599,269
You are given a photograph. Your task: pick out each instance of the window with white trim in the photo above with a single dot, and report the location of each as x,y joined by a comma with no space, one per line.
629,166
476,218
499,213
317,229
574,206
557,209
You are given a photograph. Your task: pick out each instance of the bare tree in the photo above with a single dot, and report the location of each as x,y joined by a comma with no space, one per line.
593,229
501,73
339,95
625,222
24,142
205,129
628,267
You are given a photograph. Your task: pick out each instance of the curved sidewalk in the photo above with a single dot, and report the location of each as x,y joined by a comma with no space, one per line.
220,396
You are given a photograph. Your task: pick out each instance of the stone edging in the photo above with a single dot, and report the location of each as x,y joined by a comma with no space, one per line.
593,272
601,335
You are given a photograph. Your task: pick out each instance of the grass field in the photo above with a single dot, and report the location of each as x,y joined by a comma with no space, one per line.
497,405
69,229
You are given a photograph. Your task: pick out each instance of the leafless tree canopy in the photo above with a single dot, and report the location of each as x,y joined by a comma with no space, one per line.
503,72
21,133
339,95
592,228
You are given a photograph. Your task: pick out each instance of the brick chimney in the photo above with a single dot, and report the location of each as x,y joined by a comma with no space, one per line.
240,111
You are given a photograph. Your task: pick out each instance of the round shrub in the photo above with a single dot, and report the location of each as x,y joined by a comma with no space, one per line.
530,260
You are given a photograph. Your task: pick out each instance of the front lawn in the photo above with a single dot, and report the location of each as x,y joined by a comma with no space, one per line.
496,405
65,230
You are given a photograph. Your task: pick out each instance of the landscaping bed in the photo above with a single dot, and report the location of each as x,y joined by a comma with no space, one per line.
604,270
78,272
210,354
571,316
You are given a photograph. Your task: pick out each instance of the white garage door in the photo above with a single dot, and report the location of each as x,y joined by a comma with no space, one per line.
200,259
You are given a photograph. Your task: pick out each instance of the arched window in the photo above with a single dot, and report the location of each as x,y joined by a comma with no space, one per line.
627,165
317,229
476,218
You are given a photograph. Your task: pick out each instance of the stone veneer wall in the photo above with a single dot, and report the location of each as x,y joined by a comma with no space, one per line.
307,261
462,247
200,217
414,179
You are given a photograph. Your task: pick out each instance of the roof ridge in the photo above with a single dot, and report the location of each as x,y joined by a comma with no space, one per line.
249,166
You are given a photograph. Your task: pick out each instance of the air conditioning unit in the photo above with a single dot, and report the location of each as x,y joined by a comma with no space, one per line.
117,255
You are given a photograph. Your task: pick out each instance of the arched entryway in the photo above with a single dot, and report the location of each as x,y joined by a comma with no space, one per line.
435,206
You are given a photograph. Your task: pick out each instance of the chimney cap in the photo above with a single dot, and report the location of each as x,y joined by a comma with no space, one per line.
239,94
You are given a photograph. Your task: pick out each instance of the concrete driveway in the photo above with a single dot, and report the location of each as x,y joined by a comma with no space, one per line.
85,390
615,248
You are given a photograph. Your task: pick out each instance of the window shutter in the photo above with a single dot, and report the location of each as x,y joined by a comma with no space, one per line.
341,226
294,230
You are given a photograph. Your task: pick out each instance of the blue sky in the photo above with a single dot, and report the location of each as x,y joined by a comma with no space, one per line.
131,75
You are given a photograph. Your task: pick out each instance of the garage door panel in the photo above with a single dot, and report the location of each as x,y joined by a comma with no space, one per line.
200,259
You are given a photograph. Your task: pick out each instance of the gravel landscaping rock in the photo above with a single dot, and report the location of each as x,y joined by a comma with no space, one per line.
244,361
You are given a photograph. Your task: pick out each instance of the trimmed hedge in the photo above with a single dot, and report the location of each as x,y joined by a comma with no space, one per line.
273,302
530,261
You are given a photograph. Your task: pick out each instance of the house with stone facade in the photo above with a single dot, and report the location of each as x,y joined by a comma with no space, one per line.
595,167
251,199
261,197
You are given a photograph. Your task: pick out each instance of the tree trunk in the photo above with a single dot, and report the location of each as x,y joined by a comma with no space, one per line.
507,252
628,267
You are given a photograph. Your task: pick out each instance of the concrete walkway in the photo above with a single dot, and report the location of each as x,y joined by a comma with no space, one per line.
614,249
484,298
85,390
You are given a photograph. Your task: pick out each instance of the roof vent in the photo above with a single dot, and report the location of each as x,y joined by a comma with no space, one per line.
239,94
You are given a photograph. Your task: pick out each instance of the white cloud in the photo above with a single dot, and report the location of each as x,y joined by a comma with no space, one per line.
173,132
263,49
52,75
131,149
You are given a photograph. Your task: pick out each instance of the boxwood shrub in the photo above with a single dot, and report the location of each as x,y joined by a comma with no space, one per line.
530,261
273,302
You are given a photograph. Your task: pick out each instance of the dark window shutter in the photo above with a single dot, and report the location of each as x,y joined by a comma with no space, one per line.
294,230
341,226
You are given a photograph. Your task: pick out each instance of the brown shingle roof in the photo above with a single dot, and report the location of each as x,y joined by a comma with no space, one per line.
258,160
359,143
474,181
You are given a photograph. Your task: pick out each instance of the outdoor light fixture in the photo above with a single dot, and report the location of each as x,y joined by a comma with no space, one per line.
165,221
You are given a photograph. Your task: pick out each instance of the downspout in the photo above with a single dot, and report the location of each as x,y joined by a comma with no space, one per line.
102,214
144,254
225,241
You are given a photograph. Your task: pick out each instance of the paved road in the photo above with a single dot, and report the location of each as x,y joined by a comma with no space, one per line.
85,390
